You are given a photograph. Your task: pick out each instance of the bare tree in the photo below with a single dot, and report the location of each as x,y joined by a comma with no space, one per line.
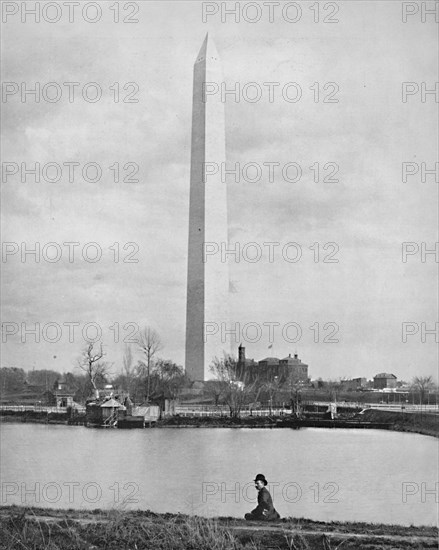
295,385
272,388
90,363
149,343
128,368
214,389
422,384
333,387
172,378
128,361
235,380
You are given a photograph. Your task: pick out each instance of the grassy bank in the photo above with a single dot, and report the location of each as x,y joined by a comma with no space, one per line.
28,528
224,422
413,422
422,423
40,417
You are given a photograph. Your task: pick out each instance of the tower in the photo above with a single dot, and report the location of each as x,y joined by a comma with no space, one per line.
241,355
208,278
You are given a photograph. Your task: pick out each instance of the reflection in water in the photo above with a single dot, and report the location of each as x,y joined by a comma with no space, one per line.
326,475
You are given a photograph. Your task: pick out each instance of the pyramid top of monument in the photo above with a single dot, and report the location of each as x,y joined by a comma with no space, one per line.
208,50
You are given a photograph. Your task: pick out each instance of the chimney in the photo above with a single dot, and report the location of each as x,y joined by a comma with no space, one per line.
295,356
241,354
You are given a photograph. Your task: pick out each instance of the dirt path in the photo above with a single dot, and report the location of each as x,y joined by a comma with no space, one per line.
338,535
281,530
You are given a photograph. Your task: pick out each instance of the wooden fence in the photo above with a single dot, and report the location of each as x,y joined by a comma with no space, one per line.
40,408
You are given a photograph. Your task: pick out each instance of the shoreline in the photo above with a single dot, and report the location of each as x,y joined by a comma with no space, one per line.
371,419
146,529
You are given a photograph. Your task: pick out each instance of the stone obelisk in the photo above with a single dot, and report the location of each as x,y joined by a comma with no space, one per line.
208,276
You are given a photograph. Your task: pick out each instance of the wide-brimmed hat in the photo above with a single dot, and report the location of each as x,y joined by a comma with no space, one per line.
261,477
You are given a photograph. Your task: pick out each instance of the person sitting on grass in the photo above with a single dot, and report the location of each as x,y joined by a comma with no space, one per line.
264,511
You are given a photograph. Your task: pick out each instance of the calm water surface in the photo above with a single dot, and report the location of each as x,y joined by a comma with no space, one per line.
322,474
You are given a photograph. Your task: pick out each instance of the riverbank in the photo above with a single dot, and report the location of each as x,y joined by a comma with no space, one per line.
426,424
370,419
72,529
421,423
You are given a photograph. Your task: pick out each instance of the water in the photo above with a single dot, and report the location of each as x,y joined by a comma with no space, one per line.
322,474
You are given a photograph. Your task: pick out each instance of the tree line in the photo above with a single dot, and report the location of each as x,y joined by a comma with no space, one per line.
150,378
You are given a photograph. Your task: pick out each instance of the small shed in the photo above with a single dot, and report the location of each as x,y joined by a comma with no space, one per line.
151,413
121,412
62,395
110,412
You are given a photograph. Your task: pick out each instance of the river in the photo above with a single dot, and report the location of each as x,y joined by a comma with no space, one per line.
321,474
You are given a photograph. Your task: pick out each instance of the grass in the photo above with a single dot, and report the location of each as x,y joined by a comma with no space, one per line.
21,532
45,529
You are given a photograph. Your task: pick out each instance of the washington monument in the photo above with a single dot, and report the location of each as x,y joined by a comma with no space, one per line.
208,277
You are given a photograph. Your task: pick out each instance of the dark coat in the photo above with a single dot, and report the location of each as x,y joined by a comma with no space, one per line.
265,509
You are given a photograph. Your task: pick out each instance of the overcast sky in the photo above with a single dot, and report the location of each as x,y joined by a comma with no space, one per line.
368,213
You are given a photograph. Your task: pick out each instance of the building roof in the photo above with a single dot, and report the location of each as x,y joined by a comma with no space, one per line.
65,392
62,385
111,403
269,360
384,375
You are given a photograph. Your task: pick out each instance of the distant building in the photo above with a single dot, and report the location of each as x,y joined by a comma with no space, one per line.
62,393
244,363
109,392
267,369
103,413
287,369
293,366
384,380
354,384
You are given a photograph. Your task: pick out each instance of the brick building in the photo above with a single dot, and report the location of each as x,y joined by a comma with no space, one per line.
354,384
286,369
